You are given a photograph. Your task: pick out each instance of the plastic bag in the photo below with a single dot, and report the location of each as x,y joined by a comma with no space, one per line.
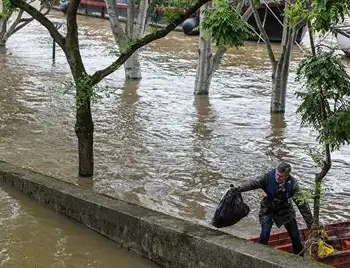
230,210
324,248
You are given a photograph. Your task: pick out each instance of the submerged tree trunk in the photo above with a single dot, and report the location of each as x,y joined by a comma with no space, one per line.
205,58
132,67
84,126
207,63
135,28
281,74
280,80
280,67
84,129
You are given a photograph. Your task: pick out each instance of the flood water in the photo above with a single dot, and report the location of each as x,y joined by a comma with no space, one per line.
34,236
155,143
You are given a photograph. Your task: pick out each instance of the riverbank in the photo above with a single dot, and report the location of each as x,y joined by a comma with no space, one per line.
163,239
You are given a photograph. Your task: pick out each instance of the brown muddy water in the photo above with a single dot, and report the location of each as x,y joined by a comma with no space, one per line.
34,236
156,144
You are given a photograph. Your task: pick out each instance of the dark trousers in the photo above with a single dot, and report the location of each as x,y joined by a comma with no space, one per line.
292,228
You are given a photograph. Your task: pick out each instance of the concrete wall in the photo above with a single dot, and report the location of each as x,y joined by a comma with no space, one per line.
166,240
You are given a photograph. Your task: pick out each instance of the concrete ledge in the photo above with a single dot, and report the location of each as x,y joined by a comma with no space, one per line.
166,240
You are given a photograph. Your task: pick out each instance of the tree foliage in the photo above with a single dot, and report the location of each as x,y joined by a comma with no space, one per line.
323,14
7,9
225,26
173,9
326,104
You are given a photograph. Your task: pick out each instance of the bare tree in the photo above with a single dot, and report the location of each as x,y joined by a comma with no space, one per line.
9,27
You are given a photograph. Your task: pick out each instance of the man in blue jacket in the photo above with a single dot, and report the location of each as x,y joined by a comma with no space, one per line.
276,207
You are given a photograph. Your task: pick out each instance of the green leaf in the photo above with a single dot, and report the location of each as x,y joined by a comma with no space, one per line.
7,9
225,26
325,105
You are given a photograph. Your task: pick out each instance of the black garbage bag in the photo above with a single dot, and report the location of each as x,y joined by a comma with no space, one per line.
231,209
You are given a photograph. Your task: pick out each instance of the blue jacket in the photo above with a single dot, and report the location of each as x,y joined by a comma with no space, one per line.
272,187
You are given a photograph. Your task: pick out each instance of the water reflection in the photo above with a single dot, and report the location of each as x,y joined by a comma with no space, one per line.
2,51
87,183
129,132
203,170
204,173
121,130
277,149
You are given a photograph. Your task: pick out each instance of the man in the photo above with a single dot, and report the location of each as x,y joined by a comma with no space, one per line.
276,207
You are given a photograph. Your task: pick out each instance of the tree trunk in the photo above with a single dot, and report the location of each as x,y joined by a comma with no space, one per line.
279,86
141,19
130,18
279,89
281,73
207,64
317,202
3,30
205,58
84,129
134,29
132,67
84,126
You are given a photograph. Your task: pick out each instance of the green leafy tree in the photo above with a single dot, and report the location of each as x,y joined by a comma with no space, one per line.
225,25
325,106
84,83
325,102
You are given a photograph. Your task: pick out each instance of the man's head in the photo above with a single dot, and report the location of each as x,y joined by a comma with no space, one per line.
283,171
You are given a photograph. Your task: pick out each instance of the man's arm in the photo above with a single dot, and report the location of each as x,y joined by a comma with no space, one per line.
258,183
302,205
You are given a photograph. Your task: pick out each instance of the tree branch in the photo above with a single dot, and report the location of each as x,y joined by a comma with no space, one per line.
140,42
42,19
14,24
264,35
25,21
247,14
20,25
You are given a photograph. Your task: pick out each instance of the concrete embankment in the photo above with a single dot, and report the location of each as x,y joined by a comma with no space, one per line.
166,240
